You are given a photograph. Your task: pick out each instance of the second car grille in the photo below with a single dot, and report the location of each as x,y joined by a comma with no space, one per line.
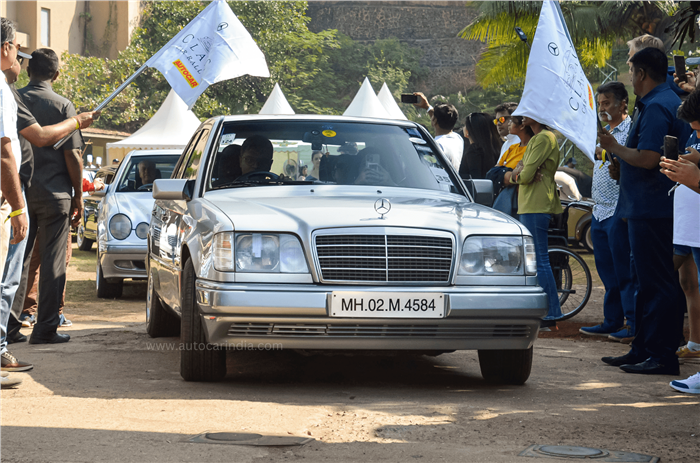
384,258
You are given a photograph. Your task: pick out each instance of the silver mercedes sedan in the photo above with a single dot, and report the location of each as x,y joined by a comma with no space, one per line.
334,233
119,217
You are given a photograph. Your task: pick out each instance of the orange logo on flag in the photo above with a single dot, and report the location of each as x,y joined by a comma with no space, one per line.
188,77
590,98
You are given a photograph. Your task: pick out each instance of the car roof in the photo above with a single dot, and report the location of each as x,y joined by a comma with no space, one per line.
154,152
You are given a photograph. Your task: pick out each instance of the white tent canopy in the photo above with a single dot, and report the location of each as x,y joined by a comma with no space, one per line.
171,126
387,99
366,103
276,103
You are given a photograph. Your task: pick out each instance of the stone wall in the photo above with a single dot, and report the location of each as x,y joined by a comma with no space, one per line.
431,26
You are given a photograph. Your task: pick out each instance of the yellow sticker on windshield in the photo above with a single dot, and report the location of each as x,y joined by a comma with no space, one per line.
329,133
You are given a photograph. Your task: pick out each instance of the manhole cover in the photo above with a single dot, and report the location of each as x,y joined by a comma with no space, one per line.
243,438
576,452
585,453
232,436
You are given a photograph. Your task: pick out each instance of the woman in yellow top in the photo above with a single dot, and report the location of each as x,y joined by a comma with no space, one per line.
506,201
537,201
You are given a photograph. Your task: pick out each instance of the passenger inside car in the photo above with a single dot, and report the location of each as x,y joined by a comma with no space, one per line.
228,165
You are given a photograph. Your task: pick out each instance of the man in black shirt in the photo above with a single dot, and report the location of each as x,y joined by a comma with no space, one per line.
55,194
29,131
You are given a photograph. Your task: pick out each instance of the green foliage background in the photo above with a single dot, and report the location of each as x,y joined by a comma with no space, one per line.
318,72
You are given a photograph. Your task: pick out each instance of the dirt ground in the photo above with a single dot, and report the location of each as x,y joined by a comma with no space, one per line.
112,394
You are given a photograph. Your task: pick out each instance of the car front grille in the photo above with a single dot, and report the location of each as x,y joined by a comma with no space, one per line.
309,330
384,258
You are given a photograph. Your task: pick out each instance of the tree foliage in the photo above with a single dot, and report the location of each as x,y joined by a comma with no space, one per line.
318,72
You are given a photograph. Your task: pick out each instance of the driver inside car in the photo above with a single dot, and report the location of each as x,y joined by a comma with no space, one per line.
256,155
147,172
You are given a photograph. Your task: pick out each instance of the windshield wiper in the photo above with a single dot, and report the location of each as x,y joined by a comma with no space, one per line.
235,184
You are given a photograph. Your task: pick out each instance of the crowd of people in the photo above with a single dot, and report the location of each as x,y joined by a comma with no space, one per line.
645,230
41,194
645,227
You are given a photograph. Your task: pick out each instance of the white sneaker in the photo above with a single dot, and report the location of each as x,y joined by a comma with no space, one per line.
690,385
8,380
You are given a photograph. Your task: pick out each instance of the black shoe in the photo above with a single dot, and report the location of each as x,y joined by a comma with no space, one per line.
53,338
16,337
652,367
627,359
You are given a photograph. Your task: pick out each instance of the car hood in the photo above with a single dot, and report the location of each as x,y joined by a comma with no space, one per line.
296,208
136,206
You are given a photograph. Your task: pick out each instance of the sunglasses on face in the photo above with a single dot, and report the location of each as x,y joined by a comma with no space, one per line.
501,120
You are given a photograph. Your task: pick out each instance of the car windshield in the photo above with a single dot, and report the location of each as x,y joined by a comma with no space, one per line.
341,153
141,171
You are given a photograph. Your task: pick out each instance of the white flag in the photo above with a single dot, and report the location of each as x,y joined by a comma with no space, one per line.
213,47
557,92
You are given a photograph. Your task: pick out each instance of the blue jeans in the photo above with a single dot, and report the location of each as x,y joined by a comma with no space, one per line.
11,277
611,249
538,225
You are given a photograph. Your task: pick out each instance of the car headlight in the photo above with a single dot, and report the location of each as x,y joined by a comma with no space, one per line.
492,255
120,226
259,253
142,230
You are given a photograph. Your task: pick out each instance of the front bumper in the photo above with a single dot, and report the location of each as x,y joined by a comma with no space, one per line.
297,317
124,261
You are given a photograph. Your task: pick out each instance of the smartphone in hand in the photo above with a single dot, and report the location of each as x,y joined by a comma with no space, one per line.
671,147
409,98
679,63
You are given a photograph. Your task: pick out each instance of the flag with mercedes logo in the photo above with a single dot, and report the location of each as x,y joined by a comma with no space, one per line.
213,47
557,92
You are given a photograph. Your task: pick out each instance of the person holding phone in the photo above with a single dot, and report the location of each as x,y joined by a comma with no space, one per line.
443,118
611,248
645,204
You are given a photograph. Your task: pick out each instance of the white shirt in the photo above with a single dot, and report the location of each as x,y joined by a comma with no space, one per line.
452,145
606,191
510,141
686,211
8,120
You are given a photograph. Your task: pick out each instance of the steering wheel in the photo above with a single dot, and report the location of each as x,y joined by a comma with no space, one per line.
145,187
258,173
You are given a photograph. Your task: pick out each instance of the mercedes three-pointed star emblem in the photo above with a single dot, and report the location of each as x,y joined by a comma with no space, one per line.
382,206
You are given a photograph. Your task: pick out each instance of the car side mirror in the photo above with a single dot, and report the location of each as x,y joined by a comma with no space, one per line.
174,189
481,190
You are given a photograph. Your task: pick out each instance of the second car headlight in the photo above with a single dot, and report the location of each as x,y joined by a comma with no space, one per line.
492,255
142,230
259,253
120,226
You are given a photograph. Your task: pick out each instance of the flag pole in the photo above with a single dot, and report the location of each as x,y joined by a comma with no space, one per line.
106,101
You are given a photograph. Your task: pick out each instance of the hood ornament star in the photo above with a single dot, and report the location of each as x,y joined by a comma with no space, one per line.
382,206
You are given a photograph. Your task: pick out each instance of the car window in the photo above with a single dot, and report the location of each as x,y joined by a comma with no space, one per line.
345,153
182,162
192,166
141,171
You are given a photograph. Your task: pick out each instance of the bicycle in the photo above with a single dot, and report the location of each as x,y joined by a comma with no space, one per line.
571,273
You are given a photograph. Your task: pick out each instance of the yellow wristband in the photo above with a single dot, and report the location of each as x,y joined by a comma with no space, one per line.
77,124
15,214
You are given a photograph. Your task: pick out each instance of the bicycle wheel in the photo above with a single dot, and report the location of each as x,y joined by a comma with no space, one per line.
573,279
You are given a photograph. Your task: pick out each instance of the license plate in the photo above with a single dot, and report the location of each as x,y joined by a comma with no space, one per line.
387,305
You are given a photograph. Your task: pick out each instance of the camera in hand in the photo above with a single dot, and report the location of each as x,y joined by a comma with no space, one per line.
409,98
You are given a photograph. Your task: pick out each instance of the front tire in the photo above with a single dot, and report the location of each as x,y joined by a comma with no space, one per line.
506,366
159,322
199,361
105,289
84,244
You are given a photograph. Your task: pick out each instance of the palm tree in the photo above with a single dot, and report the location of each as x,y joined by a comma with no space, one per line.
594,28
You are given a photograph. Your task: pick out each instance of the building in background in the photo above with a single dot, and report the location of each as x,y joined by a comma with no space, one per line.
91,28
